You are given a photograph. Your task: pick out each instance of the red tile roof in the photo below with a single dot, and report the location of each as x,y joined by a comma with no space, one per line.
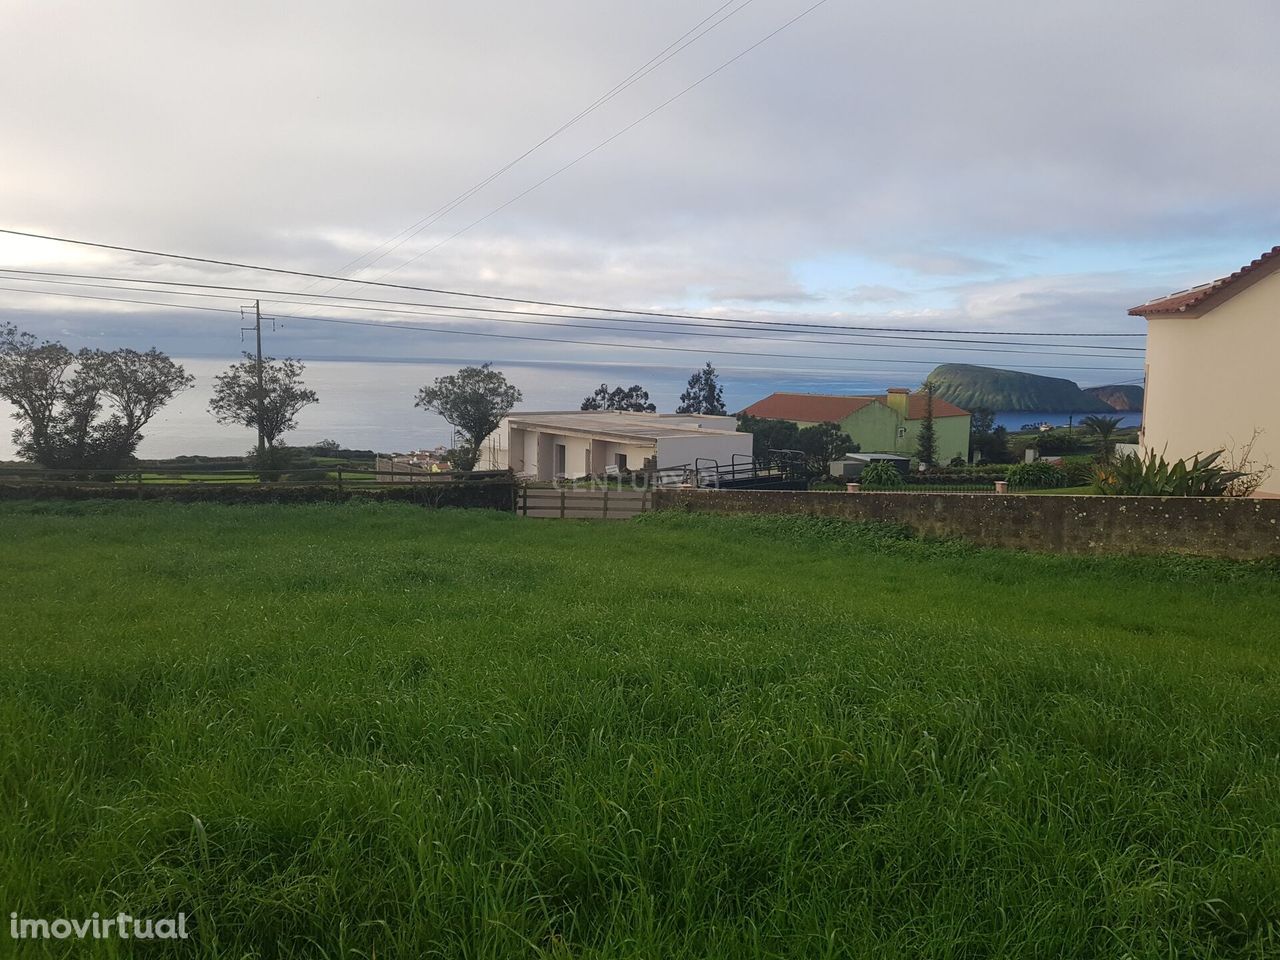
941,408
1192,302
821,408
806,407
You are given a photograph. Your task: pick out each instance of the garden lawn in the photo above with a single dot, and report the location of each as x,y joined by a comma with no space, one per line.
370,730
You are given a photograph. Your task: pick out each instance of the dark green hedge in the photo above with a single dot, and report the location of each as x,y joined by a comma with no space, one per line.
488,495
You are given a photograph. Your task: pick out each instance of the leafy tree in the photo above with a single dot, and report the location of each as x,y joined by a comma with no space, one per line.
83,409
475,399
704,393
236,400
634,398
767,435
1054,442
1104,427
986,438
823,442
820,443
927,443
275,460
326,447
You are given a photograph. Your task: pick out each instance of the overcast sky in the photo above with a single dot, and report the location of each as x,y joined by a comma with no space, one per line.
987,165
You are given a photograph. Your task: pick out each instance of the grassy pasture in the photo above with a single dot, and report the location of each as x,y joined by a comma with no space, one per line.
369,730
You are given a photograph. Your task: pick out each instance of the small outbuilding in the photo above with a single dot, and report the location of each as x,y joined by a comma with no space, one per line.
851,467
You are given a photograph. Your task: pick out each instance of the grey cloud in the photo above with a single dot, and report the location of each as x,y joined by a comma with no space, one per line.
939,263
876,293
931,137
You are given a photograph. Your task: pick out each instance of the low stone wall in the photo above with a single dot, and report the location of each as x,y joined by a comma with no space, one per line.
1244,529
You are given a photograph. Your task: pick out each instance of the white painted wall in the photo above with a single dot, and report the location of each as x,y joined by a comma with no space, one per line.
1212,379
531,452
676,451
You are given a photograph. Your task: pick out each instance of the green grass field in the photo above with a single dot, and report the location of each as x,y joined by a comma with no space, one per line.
378,731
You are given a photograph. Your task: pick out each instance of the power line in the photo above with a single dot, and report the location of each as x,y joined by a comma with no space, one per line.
577,326
608,140
679,44
85,296
391,325
38,276
712,351
506,299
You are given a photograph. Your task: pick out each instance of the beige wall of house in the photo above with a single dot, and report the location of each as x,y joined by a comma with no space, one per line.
1211,380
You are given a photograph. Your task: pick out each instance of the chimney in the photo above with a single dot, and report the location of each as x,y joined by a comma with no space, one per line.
896,400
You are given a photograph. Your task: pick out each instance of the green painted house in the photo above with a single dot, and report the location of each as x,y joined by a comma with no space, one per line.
887,423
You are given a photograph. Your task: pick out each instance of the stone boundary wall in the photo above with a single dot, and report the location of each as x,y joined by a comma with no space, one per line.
1242,529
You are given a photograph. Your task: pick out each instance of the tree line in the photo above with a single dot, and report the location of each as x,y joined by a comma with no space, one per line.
88,409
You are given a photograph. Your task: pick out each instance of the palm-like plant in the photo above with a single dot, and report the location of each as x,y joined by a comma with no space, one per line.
1104,427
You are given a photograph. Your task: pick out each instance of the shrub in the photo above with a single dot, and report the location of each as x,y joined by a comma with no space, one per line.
495,495
1153,476
883,475
983,470
1036,476
1079,469
1055,441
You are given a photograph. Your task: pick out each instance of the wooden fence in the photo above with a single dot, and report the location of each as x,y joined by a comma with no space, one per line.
582,504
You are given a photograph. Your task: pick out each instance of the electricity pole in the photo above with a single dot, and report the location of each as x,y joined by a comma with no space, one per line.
260,401
262,393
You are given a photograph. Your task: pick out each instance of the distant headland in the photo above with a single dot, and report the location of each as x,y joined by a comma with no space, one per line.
990,388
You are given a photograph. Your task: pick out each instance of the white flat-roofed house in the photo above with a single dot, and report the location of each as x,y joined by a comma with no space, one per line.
568,444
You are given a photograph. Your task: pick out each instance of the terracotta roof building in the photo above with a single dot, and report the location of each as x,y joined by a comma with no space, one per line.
1211,380
883,423
1198,301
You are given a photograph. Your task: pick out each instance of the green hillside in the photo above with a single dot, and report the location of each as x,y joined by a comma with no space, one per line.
1120,396
974,387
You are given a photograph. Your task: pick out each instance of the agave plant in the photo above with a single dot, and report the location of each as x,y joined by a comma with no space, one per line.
881,476
1154,476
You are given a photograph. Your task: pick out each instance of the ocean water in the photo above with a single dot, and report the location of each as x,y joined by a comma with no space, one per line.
1016,419
369,404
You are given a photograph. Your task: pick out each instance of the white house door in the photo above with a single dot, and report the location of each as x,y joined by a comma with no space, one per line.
559,460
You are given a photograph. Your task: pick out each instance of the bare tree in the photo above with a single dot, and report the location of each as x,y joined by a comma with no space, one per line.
1240,459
